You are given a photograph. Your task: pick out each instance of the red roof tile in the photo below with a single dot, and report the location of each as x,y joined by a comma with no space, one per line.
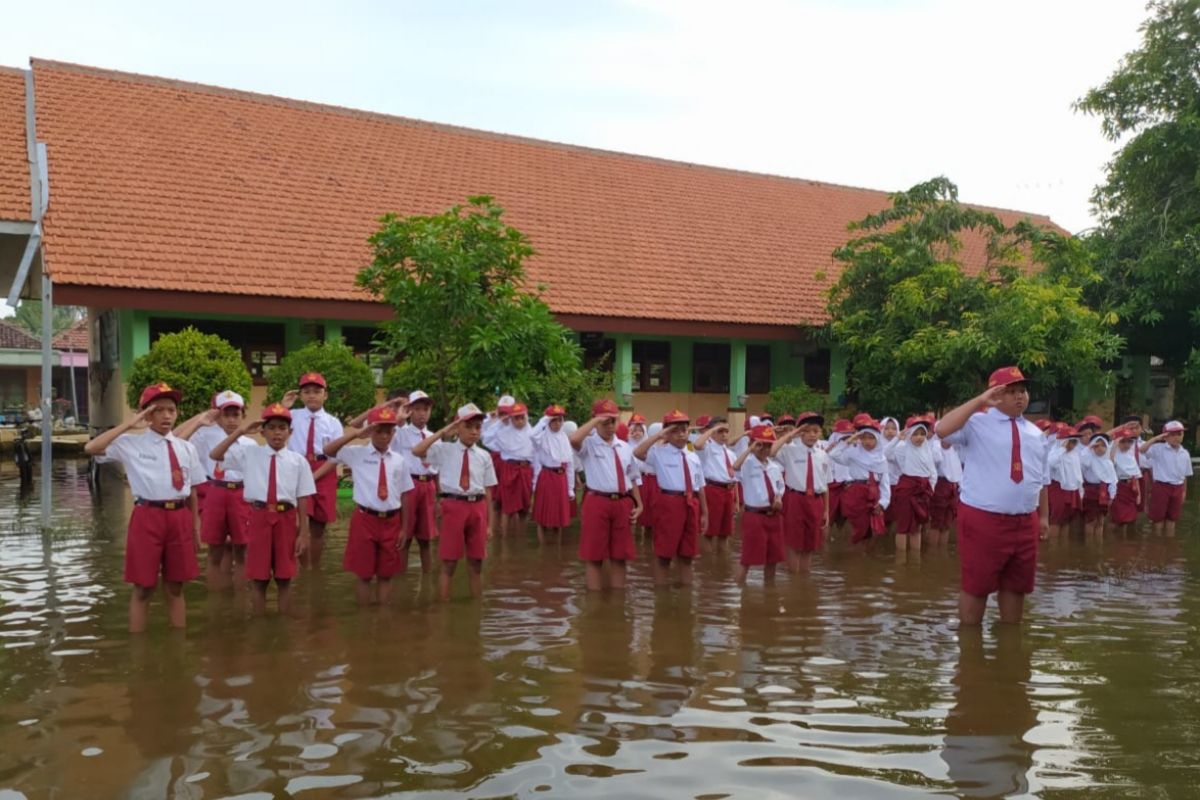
158,184
14,164
15,338
74,338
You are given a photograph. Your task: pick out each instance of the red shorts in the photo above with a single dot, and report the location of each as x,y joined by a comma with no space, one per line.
997,552
1095,501
605,530
516,487
160,541
1064,504
420,503
551,503
676,533
322,506
498,467
762,539
226,515
1125,505
911,497
201,494
835,490
371,547
1166,501
464,529
271,549
721,500
859,500
803,521
649,492
944,504
1147,485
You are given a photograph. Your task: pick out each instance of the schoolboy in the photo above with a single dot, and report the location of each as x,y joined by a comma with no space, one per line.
761,479
838,474
163,472
646,480
806,474
1170,466
683,507
312,428
720,480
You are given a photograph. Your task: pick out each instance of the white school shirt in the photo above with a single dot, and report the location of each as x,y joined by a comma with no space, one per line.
447,457
667,461
949,465
1126,464
208,437
554,450
754,488
908,459
513,444
716,460
363,461
1099,469
407,437
838,473
1169,464
328,429
985,446
293,476
862,464
148,465
599,466
1065,467
793,463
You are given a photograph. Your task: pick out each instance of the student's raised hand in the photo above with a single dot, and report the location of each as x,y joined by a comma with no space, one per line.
141,419
991,398
251,426
289,398
210,416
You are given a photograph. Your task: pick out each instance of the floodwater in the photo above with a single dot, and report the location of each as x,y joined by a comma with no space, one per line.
852,682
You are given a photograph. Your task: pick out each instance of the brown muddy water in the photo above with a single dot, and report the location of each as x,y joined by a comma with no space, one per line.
852,682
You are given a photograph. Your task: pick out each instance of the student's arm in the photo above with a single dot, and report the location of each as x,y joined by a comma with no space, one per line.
1152,441
702,440
194,505
1044,512
422,447
350,434
636,511
398,404
302,539
953,421
581,433
218,452
97,446
741,459
703,509
643,449
289,398
190,426
787,437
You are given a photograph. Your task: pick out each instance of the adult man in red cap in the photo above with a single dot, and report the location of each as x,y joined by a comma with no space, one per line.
1000,496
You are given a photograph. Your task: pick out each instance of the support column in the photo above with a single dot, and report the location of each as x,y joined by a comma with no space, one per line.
681,366
333,330
47,401
737,373
623,368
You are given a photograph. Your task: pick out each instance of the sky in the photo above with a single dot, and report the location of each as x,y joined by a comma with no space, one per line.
876,93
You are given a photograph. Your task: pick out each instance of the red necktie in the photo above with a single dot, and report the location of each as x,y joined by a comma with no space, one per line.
309,451
176,472
728,465
770,488
687,475
1015,470
272,497
809,488
620,471
464,476
383,494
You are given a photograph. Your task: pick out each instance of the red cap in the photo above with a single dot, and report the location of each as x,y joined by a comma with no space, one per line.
313,379
517,409
276,411
157,390
809,418
1067,432
785,419
637,419
554,410
605,408
703,420
674,418
862,418
1043,424
1092,420
843,426
384,415
916,420
762,433
622,431
1005,376
1124,433
868,424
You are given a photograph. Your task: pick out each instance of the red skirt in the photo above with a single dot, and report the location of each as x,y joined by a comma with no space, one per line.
551,503
860,500
1095,501
835,503
910,503
1064,504
1125,505
649,492
943,508
516,487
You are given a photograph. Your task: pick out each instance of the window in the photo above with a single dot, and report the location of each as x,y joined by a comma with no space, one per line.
816,370
261,343
710,368
758,369
362,341
598,352
651,366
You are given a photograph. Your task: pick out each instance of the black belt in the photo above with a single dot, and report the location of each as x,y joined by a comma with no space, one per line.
609,495
169,505
423,478
466,498
380,514
720,485
225,484
317,458
814,494
848,483
516,461
671,493
272,506
760,510
557,470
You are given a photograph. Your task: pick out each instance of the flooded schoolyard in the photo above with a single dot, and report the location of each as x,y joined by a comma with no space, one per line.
851,682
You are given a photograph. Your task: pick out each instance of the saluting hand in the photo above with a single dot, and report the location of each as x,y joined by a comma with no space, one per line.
289,398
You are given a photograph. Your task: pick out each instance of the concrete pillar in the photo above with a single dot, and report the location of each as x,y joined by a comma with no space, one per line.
837,372
622,367
681,366
333,330
737,373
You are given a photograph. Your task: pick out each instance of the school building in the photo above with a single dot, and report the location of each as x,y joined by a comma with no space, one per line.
174,204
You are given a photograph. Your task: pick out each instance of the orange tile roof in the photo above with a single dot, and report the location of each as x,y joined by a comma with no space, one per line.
159,184
13,337
14,164
75,337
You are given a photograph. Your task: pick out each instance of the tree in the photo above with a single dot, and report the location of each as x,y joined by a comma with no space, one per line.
1148,241
795,400
351,382
29,317
197,364
922,330
466,326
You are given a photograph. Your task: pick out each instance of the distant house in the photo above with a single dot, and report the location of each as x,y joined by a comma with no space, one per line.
21,370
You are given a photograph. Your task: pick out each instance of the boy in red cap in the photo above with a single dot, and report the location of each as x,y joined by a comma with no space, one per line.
381,481
1000,496
838,473
276,481
312,428
720,480
224,513
806,473
1170,467
554,475
682,505
612,502
163,472
419,503
867,491
466,478
761,479
513,440
646,480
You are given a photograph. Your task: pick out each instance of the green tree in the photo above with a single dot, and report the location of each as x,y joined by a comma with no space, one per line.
1148,240
467,325
29,316
197,364
922,331
795,400
351,382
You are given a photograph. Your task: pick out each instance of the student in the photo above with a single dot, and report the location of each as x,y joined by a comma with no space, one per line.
867,492
277,479
683,507
1126,464
1001,504
553,474
420,503
312,427
1099,484
1088,426
163,472
381,481
838,473
612,502
496,417
1170,466
720,480
916,476
1064,491
943,508
224,513
805,470
466,476
1133,423
761,479
647,481
513,440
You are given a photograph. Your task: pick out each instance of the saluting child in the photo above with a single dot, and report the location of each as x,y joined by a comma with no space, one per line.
312,428
381,481
943,508
1064,493
1099,484
1126,463
553,473
496,417
646,480
838,473
276,479
1170,467
682,505
513,440
163,472
466,476
761,479
868,492
805,470
720,485
419,503
916,471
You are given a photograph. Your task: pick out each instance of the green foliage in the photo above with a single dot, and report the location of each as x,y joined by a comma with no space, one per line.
197,364
468,326
795,399
923,332
29,317
351,382
1147,245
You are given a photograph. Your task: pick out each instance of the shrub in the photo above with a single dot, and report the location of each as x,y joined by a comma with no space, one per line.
197,364
795,399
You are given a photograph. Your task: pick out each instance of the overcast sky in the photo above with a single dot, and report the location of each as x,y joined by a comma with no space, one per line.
876,93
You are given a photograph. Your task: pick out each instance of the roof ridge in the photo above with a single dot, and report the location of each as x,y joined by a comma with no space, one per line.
310,105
